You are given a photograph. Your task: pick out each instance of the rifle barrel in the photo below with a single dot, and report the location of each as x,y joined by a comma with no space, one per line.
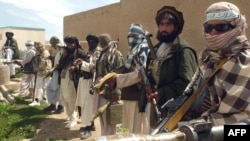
150,45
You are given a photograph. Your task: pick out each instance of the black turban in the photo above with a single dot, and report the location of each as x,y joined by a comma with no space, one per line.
93,38
9,33
70,39
172,14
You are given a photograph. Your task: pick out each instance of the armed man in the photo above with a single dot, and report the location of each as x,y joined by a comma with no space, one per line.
169,72
226,56
85,97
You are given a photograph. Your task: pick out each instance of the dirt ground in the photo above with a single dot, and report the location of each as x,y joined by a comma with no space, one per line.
54,128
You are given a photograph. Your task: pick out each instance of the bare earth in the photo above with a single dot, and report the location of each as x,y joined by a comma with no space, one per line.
54,128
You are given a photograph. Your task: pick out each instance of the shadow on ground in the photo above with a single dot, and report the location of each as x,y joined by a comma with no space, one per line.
53,128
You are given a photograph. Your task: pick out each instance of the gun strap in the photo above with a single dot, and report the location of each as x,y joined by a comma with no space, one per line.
178,115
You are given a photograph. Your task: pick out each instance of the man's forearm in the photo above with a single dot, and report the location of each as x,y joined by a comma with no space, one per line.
127,79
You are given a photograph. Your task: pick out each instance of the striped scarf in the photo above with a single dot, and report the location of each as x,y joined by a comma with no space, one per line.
108,52
140,49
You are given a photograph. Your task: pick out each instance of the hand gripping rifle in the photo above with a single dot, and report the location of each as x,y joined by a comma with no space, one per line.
179,107
148,86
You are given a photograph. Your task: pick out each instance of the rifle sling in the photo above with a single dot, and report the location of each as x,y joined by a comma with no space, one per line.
178,115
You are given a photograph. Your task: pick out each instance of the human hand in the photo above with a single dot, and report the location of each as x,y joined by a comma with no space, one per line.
112,82
152,96
72,69
114,99
78,61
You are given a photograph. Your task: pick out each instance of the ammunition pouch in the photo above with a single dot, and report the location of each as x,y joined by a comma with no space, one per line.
115,114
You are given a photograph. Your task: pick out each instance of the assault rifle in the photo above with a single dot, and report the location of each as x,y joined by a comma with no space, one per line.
178,108
92,87
148,86
146,81
95,57
200,131
91,91
15,62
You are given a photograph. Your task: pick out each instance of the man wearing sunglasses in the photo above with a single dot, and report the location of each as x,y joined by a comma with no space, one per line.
224,32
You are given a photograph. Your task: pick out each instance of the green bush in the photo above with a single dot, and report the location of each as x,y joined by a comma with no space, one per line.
19,120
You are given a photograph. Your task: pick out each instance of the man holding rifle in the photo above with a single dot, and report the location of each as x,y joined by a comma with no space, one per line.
229,90
53,87
85,98
134,117
173,66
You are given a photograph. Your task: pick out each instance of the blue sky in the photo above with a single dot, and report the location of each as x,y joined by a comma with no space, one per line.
46,14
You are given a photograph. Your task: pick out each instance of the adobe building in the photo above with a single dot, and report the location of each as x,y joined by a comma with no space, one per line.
22,34
116,18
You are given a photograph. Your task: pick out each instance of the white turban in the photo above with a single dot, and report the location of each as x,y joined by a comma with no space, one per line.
229,12
226,11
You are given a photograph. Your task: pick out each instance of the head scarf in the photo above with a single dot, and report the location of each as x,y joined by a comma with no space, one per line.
54,41
39,47
137,45
9,33
92,37
93,41
229,12
104,40
71,40
135,29
29,44
108,47
172,15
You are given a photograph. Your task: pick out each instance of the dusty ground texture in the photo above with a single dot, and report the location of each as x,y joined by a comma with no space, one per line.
54,128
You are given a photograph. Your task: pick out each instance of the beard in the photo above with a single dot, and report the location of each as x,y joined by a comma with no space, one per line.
92,46
70,50
167,37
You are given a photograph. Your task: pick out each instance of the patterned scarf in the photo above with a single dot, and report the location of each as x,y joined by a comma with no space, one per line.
108,52
210,58
216,42
141,49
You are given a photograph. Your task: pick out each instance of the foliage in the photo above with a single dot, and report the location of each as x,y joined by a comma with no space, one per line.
121,129
19,120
